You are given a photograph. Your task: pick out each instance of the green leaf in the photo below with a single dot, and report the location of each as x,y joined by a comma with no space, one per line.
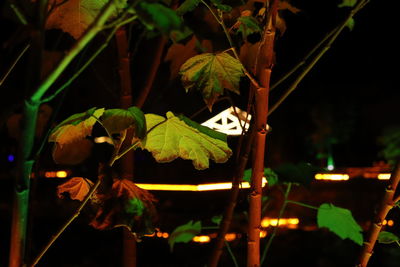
171,138
184,233
350,24
187,6
269,174
158,16
211,74
218,4
301,173
347,3
340,221
75,16
390,141
118,120
248,25
217,219
387,237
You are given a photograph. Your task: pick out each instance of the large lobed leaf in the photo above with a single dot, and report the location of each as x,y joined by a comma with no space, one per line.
211,73
75,16
77,188
171,137
340,221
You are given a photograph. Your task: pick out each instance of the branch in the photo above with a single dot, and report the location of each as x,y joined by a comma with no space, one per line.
307,69
14,64
375,228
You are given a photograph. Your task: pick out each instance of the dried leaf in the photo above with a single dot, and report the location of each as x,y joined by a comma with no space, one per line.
212,73
173,137
76,187
128,206
75,16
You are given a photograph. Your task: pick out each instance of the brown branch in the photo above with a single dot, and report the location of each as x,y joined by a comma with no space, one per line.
241,163
376,226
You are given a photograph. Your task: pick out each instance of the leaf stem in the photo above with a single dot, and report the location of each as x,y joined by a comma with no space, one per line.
301,204
285,202
14,64
228,247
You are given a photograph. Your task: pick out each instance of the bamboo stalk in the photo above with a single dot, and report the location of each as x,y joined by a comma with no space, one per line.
26,158
263,69
376,226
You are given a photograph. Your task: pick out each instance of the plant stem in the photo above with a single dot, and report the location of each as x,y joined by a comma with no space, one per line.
285,202
302,204
387,204
327,46
228,247
73,217
14,63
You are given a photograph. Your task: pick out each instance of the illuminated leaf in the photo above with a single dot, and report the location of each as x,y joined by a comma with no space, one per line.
128,206
171,137
211,74
184,233
187,6
74,16
71,146
76,127
340,221
158,16
217,219
118,120
387,237
76,187
350,24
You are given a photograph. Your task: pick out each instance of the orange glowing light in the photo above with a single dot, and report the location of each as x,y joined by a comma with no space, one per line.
390,223
263,234
230,237
201,239
384,176
283,222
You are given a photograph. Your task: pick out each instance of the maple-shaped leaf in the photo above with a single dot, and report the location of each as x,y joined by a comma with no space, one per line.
71,146
211,73
75,16
340,221
128,206
184,233
387,237
118,120
76,187
173,137
158,16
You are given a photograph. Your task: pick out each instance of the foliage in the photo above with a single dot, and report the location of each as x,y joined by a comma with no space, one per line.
184,233
269,174
211,74
390,142
340,221
387,237
301,173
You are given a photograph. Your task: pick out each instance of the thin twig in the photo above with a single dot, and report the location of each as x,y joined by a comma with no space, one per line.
14,64
327,46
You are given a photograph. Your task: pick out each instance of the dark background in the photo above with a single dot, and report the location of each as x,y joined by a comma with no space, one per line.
350,96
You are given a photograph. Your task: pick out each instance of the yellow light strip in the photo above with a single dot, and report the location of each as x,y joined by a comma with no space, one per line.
384,176
285,222
332,176
189,187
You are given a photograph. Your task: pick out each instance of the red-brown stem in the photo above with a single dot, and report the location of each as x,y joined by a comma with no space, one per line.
127,162
241,163
376,226
263,70
152,72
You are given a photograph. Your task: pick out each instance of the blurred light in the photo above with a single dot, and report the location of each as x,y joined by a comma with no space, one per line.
390,223
332,176
283,222
61,174
103,139
159,234
57,174
384,176
330,167
201,239
230,237
200,187
10,158
165,235
384,222
263,233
